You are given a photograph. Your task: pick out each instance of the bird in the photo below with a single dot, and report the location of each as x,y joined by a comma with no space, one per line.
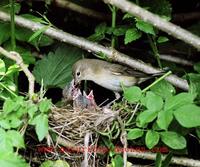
114,77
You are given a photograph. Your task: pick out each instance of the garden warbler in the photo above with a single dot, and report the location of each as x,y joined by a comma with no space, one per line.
108,75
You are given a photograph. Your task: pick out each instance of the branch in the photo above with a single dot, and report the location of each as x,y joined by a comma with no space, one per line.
175,160
17,58
158,22
93,47
82,10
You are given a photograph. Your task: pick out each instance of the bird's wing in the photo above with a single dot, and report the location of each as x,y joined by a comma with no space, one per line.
124,70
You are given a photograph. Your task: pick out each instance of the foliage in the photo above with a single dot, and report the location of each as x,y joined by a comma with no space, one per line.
55,69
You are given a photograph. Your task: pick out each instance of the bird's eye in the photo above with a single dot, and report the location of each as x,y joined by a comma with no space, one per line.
78,74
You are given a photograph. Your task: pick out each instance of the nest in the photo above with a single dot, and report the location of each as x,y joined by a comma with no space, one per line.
72,127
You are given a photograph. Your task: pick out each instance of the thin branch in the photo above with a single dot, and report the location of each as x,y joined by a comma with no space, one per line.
82,10
17,58
158,22
177,60
94,47
175,160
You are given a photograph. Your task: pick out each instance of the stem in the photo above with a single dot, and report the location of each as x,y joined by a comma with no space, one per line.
156,81
114,13
155,50
10,91
12,24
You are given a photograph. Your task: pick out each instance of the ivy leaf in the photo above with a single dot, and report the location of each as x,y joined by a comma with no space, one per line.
10,159
145,27
134,134
188,115
55,69
151,138
16,138
45,105
41,126
132,94
173,140
132,34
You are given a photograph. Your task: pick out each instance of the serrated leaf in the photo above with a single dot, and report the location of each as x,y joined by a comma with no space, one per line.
188,115
132,94
162,39
163,89
164,119
132,34
9,106
177,101
151,138
145,27
55,69
145,117
16,138
45,105
173,140
134,133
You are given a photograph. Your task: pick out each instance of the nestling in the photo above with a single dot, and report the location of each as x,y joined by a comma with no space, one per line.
108,75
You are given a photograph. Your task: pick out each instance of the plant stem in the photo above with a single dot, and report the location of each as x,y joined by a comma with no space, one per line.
12,24
114,13
154,49
156,81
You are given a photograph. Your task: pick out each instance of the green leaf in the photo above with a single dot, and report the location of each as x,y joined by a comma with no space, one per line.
132,34
2,67
32,109
12,69
151,138
173,140
127,16
55,69
5,32
197,67
188,115
41,126
177,101
134,134
118,31
132,94
194,84
163,89
45,105
38,33
118,161
158,161
10,105
198,132
153,101
162,39
164,119
145,27
145,117
16,138
167,160
9,159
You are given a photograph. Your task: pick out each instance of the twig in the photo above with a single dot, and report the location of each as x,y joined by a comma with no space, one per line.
177,60
82,10
17,58
175,160
86,148
123,139
93,47
158,22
